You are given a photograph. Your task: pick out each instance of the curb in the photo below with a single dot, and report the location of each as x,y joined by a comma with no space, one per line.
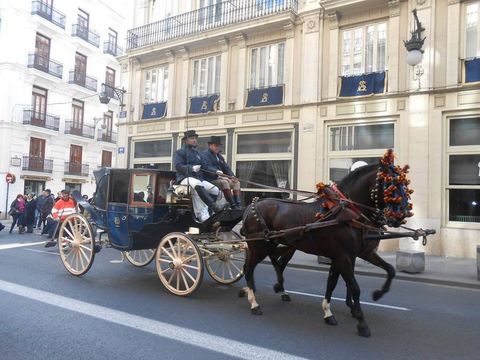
459,284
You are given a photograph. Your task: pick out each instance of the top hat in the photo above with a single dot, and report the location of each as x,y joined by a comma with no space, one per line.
215,140
189,133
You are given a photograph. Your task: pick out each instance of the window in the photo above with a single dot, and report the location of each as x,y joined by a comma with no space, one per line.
463,185
202,143
206,76
80,71
142,189
106,158
75,166
36,154
42,52
112,41
350,143
77,115
156,85
364,49
108,121
209,12
267,65
156,148
39,104
472,30
110,82
83,19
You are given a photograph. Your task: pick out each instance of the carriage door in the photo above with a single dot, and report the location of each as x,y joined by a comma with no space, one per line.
140,211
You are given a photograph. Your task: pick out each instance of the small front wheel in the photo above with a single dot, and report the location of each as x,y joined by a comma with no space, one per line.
179,264
140,258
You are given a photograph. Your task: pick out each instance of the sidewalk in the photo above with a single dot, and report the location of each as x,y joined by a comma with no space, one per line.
438,269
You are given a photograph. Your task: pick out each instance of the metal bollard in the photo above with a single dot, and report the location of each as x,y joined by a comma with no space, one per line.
412,262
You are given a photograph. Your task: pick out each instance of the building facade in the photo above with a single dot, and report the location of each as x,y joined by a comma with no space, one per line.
300,90
55,57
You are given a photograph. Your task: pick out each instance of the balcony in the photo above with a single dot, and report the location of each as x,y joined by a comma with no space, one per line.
76,169
74,128
38,164
105,136
48,12
82,80
44,64
40,119
206,18
112,48
86,34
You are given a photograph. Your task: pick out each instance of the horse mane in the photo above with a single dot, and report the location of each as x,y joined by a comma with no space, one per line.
351,178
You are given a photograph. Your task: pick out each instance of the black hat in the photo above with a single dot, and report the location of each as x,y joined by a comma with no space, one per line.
189,133
215,140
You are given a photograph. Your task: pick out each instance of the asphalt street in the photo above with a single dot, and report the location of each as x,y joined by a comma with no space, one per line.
122,312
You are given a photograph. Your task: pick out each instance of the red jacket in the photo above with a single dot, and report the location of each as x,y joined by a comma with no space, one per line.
63,208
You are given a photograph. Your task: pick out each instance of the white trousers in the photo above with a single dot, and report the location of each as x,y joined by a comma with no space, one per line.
199,207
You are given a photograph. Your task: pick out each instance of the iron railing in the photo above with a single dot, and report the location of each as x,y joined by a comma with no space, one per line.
76,169
48,12
112,48
86,34
107,136
41,119
74,128
206,18
82,80
45,64
39,164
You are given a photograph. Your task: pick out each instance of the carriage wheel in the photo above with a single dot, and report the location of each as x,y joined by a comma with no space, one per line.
226,266
76,244
179,264
140,258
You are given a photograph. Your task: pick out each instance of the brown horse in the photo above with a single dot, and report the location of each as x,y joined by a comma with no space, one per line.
341,242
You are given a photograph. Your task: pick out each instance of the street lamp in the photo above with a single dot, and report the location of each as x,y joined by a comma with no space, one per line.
414,47
107,92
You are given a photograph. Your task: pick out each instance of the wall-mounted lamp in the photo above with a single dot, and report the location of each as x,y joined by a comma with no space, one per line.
414,47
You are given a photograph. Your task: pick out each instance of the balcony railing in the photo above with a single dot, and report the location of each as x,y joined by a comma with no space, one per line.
45,64
86,34
82,80
74,128
103,135
48,12
41,119
112,48
76,169
206,18
39,164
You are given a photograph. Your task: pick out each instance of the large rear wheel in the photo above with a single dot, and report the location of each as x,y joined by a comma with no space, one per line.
140,258
179,264
76,244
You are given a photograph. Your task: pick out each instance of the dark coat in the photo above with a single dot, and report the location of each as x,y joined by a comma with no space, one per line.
184,160
30,207
212,164
47,207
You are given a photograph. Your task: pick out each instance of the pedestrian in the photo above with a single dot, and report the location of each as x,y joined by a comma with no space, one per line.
62,208
38,211
17,212
1,225
30,208
46,208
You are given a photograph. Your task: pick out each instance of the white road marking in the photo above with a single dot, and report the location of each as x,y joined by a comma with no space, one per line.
165,330
43,251
19,245
340,299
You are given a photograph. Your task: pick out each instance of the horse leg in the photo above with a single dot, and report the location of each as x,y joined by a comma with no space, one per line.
279,264
373,258
348,296
331,284
346,270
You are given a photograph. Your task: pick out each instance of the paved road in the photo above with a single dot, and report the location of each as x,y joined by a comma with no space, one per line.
118,311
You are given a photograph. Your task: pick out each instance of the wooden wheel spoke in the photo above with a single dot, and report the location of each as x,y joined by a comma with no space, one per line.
174,252
189,275
185,282
168,253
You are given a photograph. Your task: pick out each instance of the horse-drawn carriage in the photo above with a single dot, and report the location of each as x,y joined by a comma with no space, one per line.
140,212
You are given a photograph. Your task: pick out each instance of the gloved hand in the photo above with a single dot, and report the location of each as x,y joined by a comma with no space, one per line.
219,172
196,168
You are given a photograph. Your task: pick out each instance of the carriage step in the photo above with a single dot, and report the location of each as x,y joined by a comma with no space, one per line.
409,261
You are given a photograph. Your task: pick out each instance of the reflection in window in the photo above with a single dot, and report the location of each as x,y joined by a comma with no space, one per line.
202,143
361,137
464,205
464,169
143,188
465,132
158,166
119,187
158,148
271,173
339,168
264,143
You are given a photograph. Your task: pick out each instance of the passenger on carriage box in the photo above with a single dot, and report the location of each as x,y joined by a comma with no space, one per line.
188,163
219,173
63,207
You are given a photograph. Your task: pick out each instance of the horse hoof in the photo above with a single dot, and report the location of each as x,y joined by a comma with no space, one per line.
286,297
241,293
278,288
330,320
256,311
363,331
376,295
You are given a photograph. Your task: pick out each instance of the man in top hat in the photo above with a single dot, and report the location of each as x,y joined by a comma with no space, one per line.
219,173
188,163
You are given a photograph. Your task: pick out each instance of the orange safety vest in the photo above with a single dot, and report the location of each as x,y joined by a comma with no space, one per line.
63,208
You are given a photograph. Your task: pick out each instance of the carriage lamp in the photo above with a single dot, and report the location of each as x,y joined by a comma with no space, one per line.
414,47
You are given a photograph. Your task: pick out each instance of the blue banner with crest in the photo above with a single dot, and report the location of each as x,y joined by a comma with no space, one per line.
266,96
154,110
204,104
472,70
365,84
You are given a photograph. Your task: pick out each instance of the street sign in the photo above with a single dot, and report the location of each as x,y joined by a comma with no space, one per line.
121,150
122,114
10,178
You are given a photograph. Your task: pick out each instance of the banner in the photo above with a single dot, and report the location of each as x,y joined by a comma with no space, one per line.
154,110
204,104
472,70
360,85
266,96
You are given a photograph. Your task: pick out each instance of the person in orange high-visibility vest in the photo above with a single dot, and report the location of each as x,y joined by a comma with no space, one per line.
63,207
